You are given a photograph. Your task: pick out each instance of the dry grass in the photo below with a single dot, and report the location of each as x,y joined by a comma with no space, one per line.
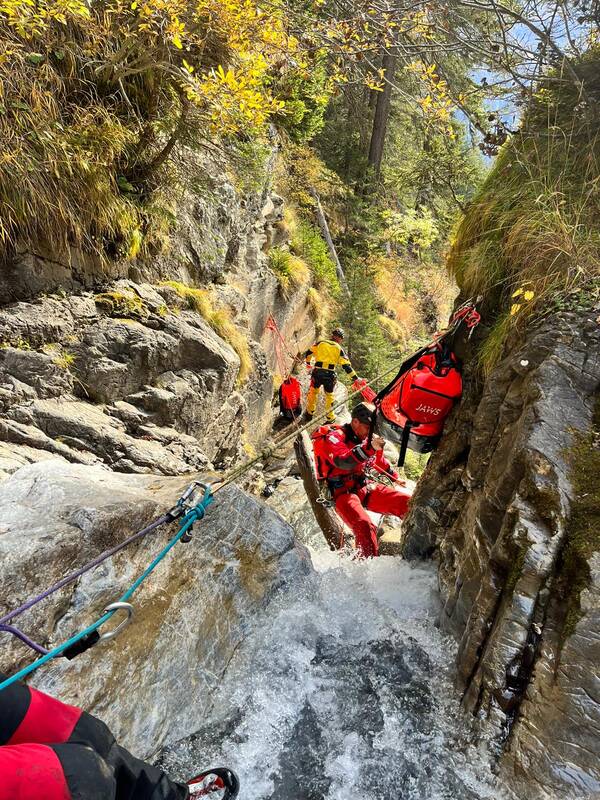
534,224
396,332
323,310
290,270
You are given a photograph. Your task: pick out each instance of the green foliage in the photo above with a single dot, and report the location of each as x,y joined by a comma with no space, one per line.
250,160
18,344
306,94
95,97
308,244
369,349
533,226
414,465
416,228
401,231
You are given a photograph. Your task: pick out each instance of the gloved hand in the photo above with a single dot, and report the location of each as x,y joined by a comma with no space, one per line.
377,442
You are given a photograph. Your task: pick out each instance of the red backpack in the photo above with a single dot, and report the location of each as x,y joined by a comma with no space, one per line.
412,409
321,449
290,398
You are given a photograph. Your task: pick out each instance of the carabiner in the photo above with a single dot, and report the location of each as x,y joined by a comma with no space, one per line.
118,606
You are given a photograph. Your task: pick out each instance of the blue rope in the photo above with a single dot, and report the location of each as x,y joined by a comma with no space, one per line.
193,515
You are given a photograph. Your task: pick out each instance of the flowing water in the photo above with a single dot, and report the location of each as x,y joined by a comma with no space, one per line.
343,692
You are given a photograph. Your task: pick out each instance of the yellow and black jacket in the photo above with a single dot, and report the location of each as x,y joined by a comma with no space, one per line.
328,356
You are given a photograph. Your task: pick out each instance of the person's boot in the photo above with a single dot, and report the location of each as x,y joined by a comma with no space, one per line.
219,783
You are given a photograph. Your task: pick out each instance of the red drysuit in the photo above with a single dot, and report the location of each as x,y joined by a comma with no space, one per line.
347,457
57,752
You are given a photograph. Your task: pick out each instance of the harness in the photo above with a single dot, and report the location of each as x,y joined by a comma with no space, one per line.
327,368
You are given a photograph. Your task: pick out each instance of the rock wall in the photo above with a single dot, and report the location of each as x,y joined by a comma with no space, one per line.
153,684
495,503
114,367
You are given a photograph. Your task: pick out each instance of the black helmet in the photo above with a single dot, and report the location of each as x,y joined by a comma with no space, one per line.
338,332
363,412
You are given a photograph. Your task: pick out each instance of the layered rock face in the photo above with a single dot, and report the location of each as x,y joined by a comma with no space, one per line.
497,501
116,367
153,683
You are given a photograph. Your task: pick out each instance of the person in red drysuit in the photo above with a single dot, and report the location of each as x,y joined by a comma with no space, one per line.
53,751
348,455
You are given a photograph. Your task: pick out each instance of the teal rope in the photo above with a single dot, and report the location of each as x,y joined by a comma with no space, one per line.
192,516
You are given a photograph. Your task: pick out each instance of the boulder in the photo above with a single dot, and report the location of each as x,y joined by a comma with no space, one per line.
153,684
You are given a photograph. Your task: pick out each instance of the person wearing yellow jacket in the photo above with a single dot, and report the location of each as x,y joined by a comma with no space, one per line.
326,356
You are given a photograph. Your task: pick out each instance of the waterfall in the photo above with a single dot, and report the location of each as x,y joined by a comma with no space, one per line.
343,690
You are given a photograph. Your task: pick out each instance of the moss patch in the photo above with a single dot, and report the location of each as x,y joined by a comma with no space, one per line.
120,304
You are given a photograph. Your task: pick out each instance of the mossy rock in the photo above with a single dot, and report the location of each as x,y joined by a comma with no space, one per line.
119,304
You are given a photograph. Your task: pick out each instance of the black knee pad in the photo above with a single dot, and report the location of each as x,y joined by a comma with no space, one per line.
87,774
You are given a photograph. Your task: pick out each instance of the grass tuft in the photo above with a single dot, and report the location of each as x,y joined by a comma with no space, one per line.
322,310
492,348
122,305
291,272
533,225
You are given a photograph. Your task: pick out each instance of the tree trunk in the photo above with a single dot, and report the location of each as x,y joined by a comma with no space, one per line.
332,526
321,219
382,114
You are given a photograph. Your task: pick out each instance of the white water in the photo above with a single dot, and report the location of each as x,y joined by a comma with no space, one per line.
342,692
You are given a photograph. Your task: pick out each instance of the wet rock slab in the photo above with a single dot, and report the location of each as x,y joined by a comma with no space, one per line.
495,501
155,681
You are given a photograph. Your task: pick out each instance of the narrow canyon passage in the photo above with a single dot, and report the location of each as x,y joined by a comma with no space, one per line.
342,691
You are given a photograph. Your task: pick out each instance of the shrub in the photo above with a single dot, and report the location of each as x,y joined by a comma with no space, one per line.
308,243
290,270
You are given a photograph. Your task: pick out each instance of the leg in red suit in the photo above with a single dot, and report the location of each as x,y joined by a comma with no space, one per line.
351,506
58,752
